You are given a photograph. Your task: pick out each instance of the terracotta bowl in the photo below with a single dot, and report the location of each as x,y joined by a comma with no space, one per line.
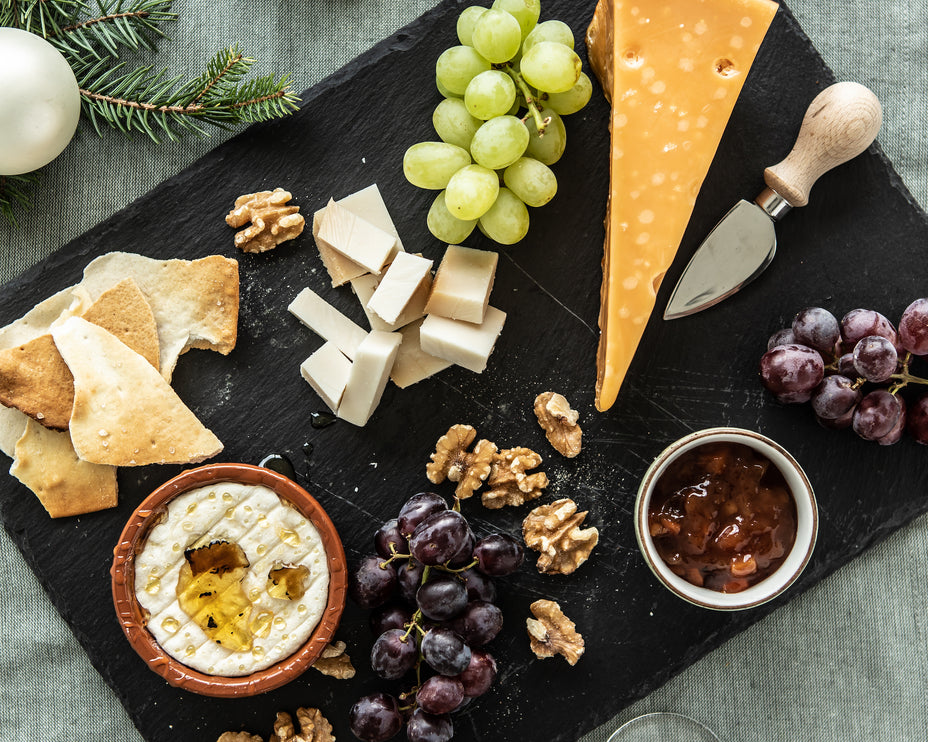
132,617
806,522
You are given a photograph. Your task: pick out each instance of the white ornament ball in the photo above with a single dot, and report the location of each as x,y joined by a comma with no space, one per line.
40,103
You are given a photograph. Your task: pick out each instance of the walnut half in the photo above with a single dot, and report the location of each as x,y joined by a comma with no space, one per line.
509,483
551,632
559,423
554,530
272,219
453,461
335,662
314,727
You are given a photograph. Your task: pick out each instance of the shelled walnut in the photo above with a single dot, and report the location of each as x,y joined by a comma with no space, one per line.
335,662
272,219
238,737
454,462
508,483
559,423
554,530
551,632
314,727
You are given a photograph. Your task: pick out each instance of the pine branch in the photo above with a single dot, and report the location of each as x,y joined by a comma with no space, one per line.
152,103
14,192
133,25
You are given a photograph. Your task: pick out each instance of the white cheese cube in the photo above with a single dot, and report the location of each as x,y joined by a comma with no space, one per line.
369,205
327,372
365,286
412,364
368,377
461,289
327,322
463,343
405,276
356,238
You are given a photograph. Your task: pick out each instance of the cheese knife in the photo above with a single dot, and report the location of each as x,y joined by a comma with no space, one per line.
839,124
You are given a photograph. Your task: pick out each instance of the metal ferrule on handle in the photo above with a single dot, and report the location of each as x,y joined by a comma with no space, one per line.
773,204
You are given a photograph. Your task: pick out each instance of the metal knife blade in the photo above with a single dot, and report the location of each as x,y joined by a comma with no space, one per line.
839,124
736,251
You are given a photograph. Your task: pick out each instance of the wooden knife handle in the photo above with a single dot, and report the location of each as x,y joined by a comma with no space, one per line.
840,123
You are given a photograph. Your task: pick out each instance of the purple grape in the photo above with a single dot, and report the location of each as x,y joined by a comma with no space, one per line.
394,654
479,623
375,718
876,415
860,323
895,435
440,694
781,337
875,358
389,616
846,366
426,727
445,652
479,675
442,599
913,328
835,397
817,328
417,508
479,586
791,372
498,555
389,535
372,584
409,577
439,537
917,422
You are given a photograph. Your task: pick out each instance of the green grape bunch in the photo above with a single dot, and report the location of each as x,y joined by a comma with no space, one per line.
505,90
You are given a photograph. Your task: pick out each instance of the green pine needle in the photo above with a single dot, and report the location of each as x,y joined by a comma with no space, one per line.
113,24
14,192
148,101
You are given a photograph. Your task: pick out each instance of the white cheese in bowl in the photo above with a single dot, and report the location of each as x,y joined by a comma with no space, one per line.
272,535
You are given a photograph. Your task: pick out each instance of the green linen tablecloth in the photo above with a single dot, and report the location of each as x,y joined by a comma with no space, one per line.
846,661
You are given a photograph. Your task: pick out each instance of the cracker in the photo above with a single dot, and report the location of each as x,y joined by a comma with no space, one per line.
35,379
12,426
195,302
45,461
125,413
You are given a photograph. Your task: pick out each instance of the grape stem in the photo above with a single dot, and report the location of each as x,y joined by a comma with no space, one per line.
540,123
904,377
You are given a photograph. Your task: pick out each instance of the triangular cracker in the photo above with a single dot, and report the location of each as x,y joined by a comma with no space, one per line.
195,302
124,312
125,413
35,379
46,463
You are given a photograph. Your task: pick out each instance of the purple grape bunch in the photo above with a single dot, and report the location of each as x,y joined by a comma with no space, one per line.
431,590
852,371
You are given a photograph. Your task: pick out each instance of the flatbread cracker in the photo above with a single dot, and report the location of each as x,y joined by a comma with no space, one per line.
35,379
195,302
45,461
125,413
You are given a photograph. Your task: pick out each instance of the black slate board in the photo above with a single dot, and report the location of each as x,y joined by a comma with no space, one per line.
860,243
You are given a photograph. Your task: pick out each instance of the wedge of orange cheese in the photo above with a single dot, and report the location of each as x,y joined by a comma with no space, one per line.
673,69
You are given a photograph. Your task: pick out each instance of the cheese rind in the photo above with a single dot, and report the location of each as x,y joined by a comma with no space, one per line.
356,238
327,372
462,343
413,364
368,204
327,322
401,282
462,285
679,67
369,375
